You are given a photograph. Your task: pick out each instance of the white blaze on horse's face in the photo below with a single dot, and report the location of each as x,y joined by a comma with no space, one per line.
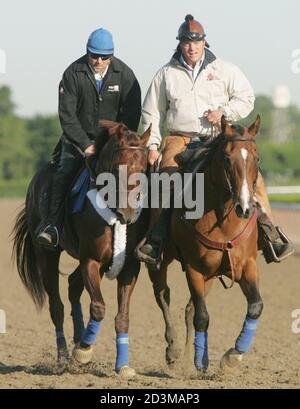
245,195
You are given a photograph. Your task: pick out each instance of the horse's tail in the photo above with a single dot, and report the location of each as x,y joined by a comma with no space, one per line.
25,258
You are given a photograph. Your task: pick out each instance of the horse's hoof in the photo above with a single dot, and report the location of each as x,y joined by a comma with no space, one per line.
201,374
172,356
82,355
230,360
63,356
126,372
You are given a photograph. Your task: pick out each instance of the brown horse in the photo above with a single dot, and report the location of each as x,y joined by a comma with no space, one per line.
222,242
90,239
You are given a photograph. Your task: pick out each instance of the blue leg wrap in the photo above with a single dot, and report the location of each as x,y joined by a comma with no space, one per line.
60,338
122,350
90,333
78,324
245,338
201,350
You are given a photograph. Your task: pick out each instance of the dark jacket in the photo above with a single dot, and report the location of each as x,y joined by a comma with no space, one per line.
81,106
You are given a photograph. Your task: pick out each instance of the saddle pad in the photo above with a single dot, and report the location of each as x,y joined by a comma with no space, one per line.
79,190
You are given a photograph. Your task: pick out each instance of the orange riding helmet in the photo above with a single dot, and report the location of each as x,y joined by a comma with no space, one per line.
191,30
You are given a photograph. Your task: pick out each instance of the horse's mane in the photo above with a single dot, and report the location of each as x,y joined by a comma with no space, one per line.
132,139
102,137
239,129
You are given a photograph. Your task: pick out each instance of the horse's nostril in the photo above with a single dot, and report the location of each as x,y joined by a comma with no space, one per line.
239,210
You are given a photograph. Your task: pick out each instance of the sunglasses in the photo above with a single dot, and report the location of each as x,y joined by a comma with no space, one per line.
191,37
103,57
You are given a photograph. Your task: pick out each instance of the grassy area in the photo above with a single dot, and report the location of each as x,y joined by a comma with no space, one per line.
286,198
13,188
276,181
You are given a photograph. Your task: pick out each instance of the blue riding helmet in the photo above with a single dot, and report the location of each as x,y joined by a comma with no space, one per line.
100,42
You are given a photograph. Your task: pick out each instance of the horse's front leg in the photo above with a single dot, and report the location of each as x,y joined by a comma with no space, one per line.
162,297
197,288
189,319
126,283
249,284
91,276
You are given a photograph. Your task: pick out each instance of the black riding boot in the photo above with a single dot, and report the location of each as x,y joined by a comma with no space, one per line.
275,245
49,236
69,163
150,251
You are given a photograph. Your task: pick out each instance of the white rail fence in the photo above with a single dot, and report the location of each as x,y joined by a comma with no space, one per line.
283,189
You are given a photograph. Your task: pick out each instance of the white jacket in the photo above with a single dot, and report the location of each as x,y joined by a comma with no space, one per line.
174,99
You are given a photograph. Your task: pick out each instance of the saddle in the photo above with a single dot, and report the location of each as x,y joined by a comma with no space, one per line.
197,155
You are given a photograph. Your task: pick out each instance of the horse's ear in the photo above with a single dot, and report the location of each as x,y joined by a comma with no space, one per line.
146,135
225,127
254,128
112,127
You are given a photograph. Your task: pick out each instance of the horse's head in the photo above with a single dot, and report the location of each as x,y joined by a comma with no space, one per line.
239,158
123,155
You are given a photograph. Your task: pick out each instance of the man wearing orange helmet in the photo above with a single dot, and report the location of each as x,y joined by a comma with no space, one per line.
190,95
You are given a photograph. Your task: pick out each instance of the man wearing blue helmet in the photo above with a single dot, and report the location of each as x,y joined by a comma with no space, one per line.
96,86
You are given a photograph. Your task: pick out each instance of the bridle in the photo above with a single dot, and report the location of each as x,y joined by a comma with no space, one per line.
124,148
116,150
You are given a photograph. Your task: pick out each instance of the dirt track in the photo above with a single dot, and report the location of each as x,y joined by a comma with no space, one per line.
27,350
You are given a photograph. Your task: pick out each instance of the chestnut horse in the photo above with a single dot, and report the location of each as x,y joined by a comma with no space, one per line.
222,242
93,238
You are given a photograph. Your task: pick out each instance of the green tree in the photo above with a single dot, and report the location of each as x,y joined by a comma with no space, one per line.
7,107
44,134
263,106
16,159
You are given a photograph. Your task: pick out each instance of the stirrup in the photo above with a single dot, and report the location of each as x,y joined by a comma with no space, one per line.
269,251
151,262
44,241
